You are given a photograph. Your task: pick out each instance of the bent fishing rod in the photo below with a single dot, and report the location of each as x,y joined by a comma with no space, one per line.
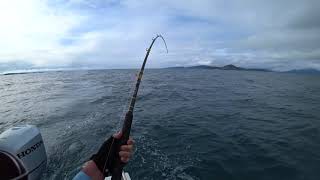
112,156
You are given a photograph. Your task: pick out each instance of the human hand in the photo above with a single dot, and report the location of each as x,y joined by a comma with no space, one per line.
126,151
100,158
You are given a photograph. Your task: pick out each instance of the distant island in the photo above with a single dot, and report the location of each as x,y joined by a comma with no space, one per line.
236,68
304,71
227,67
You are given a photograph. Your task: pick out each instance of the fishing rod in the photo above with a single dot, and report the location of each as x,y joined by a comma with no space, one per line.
126,127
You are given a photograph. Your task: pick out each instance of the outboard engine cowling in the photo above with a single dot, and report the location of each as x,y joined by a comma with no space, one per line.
22,153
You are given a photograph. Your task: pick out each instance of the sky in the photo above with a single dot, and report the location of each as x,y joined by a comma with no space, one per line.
275,34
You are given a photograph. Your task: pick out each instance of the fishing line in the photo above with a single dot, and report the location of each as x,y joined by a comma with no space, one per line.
123,108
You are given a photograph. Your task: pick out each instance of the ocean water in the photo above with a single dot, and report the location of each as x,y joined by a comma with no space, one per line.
188,123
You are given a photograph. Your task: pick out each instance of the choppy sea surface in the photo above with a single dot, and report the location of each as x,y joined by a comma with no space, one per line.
188,123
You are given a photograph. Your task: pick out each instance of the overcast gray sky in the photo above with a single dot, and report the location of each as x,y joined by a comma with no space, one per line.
275,34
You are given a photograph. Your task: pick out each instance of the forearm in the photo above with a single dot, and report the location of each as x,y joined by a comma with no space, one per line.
81,176
89,172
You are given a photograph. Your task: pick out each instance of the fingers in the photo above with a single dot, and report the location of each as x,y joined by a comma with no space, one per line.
125,156
126,151
130,141
125,160
128,148
117,135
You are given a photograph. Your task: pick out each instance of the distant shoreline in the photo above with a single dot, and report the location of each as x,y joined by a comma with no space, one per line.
227,67
236,68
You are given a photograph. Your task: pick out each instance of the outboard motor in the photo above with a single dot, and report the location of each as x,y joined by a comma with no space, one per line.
22,153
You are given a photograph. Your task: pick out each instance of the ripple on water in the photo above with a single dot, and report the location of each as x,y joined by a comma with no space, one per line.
188,124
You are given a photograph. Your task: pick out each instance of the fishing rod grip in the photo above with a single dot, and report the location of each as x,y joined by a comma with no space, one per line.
126,127
118,164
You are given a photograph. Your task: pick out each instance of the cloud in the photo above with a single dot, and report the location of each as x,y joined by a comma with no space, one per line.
114,34
30,31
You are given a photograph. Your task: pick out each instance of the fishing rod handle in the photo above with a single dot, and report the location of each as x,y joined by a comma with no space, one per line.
118,164
126,127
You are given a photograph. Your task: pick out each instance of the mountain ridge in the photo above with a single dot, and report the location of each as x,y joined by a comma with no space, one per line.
304,71
236,68
226,67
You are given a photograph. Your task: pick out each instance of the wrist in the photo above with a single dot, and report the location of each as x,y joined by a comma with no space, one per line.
90,168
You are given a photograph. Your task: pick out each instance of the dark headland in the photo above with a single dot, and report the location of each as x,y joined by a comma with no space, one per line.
236,68
304,71
227,67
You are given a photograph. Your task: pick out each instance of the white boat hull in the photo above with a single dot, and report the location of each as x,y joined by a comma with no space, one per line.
125,176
